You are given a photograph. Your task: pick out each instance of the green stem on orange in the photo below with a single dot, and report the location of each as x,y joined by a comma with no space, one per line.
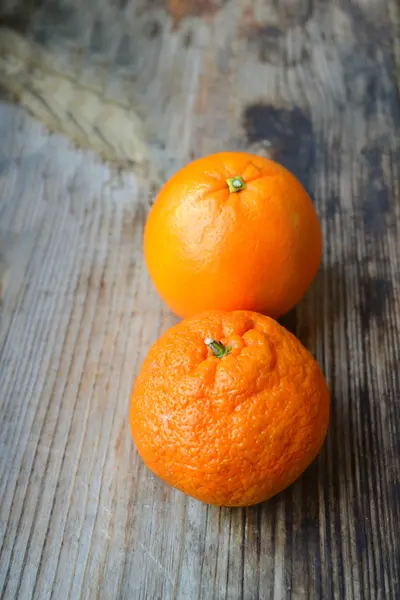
236,184
218,348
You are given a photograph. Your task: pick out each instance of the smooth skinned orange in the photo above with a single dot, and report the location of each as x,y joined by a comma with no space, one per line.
233,430
257,248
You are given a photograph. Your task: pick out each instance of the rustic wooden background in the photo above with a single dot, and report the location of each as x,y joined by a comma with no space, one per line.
314,83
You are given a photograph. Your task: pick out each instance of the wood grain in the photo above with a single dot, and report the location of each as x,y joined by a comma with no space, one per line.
314,84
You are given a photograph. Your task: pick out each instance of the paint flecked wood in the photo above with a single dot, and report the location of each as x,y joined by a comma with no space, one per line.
315,85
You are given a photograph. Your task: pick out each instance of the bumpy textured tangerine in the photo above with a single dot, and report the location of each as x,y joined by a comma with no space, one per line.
233,429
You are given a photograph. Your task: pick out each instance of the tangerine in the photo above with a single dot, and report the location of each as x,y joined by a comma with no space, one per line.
232,231
229,408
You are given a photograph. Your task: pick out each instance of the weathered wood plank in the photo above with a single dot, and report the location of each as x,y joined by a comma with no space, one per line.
311,83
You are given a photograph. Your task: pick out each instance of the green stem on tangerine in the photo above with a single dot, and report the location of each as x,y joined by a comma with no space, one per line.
236,184
217,347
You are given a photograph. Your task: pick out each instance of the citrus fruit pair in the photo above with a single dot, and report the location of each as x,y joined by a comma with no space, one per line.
229,407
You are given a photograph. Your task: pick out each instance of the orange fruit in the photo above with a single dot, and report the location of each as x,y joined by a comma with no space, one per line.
232,231
229,408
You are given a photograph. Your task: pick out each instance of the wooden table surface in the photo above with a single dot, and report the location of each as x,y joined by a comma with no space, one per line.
314,84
